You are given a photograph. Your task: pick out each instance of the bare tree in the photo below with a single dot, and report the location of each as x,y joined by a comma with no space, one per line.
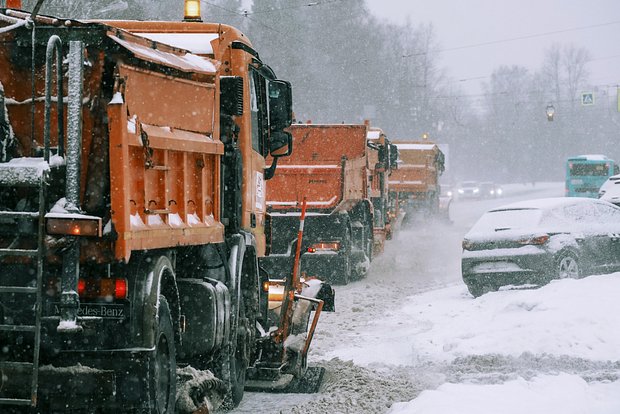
552,71
574,61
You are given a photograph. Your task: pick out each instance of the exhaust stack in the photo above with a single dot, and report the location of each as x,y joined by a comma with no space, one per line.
69,299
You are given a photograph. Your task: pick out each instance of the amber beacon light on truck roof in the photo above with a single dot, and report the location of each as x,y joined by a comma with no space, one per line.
192,11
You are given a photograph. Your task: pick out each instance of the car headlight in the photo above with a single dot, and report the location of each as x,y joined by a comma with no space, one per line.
461,191
476,190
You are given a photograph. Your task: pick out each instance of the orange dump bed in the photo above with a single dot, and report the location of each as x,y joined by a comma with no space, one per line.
419,168
328,167
150,141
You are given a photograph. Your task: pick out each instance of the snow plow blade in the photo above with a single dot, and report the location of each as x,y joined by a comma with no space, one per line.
310,383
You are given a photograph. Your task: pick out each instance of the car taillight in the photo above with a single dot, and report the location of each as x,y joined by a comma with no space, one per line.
467,245
535,240
324,246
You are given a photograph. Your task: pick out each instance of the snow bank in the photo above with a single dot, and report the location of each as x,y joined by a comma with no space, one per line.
575,318
566,394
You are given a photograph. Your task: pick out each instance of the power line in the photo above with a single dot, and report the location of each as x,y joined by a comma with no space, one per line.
308,4
532,36
488,76
246,13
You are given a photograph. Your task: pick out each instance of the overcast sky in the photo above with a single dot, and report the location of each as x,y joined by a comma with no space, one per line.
535,23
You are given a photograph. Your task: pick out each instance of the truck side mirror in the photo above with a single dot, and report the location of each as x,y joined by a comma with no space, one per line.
280,105
280,144
393,156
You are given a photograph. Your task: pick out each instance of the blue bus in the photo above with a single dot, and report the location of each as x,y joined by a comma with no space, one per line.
586,173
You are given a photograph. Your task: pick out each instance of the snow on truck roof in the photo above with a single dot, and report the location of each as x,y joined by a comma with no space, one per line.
374,134
423,147
187,62
199,43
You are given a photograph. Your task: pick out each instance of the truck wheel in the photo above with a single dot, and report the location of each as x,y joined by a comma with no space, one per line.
162,375
235,357
369,243
346,275
239,362
235,361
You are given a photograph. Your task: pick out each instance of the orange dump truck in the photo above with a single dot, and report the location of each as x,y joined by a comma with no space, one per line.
132,215
334,167
414,187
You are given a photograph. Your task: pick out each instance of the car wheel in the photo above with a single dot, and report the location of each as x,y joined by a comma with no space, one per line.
568,266
475,289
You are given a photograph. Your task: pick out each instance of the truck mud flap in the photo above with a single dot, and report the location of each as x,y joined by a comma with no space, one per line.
86,387
92,386
310,383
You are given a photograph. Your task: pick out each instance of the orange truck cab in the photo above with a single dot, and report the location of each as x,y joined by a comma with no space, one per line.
133,187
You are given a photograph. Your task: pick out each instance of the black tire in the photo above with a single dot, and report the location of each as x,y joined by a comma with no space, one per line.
162,364
475,289
370,243
239,360
567,266
234,358
347,273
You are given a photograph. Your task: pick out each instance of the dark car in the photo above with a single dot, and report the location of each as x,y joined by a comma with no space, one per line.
527,244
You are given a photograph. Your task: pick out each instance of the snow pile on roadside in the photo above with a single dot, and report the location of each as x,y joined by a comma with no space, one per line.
566,394
576,318
348,388
553,349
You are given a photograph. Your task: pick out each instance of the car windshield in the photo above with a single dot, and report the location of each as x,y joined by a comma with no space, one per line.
498,220
469,184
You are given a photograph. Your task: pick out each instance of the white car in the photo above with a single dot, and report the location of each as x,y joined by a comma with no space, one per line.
610,190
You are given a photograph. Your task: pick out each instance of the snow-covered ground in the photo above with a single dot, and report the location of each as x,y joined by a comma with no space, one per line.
410,339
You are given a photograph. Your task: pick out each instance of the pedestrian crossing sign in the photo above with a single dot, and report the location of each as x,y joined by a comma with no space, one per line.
587,98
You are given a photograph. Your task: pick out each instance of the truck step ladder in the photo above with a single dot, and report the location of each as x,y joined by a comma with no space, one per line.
31,292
